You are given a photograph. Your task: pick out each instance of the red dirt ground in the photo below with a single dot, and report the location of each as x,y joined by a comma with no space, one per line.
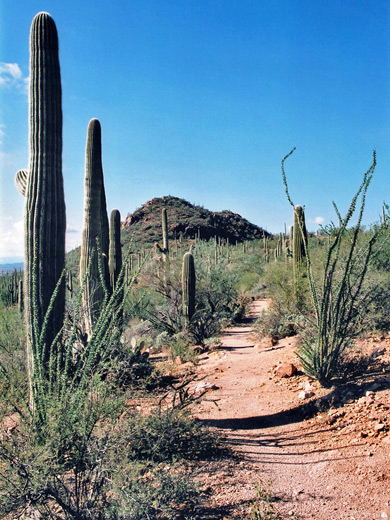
326,456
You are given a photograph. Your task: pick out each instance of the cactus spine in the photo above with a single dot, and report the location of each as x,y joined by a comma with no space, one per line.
94,246
115,250
45,219
188,286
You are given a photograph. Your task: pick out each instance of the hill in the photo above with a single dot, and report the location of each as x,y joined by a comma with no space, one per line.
188,220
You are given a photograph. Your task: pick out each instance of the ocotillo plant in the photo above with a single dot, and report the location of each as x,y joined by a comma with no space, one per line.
95,240
45,219
188,287
115,249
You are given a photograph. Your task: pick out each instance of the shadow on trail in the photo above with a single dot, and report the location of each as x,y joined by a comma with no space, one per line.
260,422
304,411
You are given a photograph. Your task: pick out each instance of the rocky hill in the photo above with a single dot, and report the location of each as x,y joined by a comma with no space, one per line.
144,225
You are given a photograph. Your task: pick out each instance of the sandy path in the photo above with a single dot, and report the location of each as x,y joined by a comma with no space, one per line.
317,470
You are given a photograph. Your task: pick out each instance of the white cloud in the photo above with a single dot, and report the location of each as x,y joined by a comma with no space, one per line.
12,238
73,238
319,220
11,75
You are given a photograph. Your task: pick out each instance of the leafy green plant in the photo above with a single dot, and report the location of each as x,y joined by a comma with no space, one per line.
338,298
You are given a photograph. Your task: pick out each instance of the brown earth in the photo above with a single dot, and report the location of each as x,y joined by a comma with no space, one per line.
325,453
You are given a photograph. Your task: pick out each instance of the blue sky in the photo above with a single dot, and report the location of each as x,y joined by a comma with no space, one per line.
201,99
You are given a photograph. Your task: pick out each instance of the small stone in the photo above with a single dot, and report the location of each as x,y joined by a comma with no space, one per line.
386,513
305,395
285,370
379,427
204,385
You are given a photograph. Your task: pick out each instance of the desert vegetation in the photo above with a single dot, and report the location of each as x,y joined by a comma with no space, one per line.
98,349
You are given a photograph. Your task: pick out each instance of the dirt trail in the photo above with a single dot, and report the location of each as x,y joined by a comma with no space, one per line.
320,464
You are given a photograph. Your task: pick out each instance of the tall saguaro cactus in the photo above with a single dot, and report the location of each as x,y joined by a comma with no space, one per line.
95,239
188,286
45,219
115,250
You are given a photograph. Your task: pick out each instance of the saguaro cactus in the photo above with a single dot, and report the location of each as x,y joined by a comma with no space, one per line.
115,250
45,219
164,219
188,286
94,246
165,247
299,248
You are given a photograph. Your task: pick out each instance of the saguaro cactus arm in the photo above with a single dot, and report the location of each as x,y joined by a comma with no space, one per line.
21,178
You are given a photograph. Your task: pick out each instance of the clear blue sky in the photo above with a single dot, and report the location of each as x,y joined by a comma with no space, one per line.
202,98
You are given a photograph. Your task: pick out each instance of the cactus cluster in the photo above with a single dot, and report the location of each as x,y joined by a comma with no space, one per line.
11,287
45,280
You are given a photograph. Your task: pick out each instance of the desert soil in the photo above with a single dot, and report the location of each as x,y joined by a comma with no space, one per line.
325,454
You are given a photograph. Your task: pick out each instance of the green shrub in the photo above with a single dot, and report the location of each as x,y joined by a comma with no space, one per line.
338,296
276,323
168,435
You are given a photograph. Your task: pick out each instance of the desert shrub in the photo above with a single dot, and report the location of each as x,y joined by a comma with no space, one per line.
12,359
217,297
338,297
154,492
89,470
276,323
169,435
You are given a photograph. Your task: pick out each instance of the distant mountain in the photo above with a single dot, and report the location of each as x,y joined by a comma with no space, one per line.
144,225
9,267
